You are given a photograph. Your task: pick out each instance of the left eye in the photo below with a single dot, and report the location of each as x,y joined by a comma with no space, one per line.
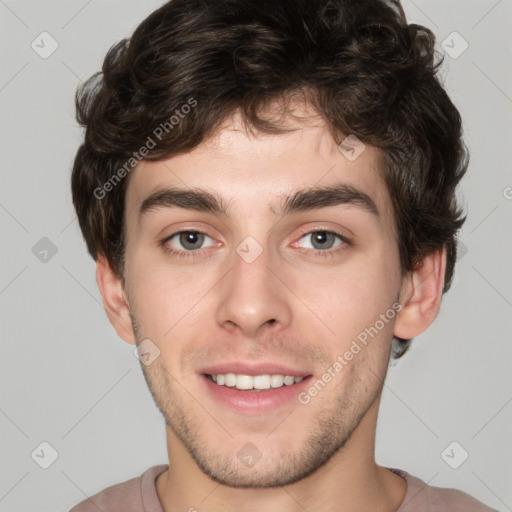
190,240
322,240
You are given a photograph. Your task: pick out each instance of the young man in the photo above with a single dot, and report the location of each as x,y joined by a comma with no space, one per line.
268,188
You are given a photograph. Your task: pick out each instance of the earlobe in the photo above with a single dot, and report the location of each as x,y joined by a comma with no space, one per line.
115,300
420,296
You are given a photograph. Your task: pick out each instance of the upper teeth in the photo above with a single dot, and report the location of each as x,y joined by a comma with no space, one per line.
254,382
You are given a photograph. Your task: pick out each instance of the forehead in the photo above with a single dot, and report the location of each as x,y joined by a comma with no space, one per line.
258,171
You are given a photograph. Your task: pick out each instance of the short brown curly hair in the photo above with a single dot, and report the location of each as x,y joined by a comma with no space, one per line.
363,68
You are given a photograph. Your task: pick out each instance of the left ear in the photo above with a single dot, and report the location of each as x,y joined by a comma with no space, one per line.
420,296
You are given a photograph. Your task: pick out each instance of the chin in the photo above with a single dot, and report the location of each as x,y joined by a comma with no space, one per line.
268,475
250,467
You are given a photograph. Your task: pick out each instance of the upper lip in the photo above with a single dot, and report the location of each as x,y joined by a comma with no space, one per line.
241,368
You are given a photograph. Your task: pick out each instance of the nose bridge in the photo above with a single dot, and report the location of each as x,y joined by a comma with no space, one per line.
251,295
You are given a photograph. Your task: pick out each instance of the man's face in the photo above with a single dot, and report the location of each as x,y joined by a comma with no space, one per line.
258,292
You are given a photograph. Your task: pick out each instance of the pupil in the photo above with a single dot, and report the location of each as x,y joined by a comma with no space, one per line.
190,238
321,237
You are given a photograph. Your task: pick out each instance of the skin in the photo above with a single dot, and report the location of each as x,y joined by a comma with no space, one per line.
289,306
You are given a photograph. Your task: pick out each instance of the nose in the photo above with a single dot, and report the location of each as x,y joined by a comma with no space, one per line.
253,297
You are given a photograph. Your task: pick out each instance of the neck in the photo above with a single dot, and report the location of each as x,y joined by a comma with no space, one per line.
350,480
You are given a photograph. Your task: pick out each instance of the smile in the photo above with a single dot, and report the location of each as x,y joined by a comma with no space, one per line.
253,382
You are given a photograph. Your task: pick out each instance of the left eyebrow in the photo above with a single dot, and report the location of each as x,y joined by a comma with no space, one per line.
299,201
332,195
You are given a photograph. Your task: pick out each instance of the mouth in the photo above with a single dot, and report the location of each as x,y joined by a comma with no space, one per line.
254,390
256,383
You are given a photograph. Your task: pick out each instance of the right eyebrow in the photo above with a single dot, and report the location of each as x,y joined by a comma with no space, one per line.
190,199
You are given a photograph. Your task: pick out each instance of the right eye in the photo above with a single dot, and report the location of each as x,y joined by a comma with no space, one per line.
190,242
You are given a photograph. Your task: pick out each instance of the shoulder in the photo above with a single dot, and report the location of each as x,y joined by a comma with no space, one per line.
128,496
421,497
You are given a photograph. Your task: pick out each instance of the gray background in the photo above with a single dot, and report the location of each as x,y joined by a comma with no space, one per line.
67,379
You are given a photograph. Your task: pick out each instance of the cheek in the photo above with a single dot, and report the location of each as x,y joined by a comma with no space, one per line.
351,298
160,299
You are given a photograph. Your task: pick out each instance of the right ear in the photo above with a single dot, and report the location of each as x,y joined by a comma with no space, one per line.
115,300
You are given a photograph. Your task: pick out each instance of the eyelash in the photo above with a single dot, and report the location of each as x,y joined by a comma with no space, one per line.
317,252
174,252
328,253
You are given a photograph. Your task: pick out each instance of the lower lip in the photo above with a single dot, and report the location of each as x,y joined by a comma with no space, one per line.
255,402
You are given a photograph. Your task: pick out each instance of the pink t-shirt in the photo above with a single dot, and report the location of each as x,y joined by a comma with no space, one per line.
139,495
